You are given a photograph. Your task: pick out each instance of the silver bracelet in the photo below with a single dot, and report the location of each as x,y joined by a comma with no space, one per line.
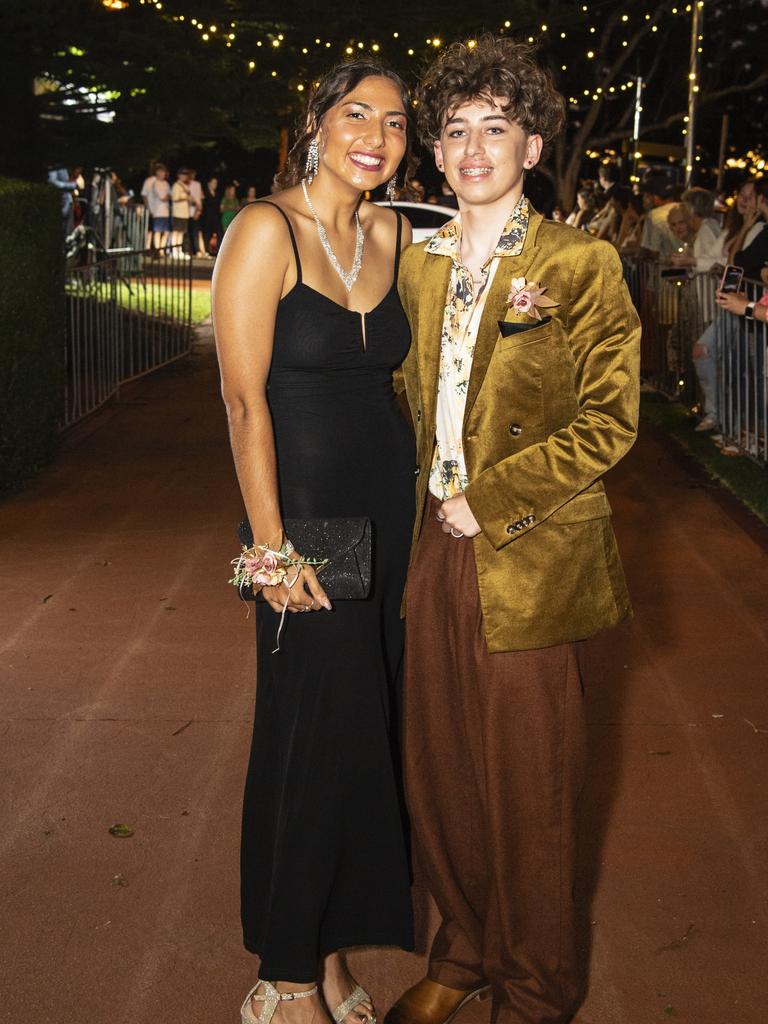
749,311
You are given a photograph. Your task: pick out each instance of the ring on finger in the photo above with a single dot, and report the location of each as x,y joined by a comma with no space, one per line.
456,533
439,518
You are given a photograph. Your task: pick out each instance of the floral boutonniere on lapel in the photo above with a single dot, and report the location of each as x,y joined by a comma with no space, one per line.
527,297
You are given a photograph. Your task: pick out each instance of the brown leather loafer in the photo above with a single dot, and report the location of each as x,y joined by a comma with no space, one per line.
431,1003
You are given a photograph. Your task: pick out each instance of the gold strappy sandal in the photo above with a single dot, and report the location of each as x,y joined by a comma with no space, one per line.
358,996
271,998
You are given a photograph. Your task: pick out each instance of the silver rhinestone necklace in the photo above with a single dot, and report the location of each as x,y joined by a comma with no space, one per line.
348,278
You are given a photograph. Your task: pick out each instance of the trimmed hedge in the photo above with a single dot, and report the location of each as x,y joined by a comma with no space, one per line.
31,328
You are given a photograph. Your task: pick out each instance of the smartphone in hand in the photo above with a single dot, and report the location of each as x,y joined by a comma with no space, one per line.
731,279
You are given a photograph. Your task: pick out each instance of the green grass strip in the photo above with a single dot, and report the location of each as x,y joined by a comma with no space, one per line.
741,475
153,298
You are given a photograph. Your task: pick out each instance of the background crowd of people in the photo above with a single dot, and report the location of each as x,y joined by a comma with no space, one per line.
189,216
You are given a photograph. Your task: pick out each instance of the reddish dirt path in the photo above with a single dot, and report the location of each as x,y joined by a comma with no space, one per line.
127,684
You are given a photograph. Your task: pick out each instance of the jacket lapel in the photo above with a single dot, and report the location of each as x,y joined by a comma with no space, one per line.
433,289
496,308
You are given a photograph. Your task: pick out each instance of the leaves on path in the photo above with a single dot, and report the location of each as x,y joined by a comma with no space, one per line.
680,943
46,599
119,881
121,831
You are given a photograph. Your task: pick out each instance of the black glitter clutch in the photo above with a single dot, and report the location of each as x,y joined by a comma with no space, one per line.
346,543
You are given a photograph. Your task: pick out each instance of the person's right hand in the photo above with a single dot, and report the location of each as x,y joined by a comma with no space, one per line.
306,594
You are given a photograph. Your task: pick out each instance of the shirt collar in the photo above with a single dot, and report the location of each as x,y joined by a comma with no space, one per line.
447,241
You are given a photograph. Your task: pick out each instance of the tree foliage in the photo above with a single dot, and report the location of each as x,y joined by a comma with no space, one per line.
156,78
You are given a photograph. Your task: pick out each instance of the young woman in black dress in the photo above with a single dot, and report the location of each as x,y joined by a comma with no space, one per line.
309,329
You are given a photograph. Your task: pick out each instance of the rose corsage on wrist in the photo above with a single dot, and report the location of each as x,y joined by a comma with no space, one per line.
262,566
527,297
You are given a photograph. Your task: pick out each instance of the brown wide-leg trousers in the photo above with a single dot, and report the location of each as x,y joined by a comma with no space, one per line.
494,761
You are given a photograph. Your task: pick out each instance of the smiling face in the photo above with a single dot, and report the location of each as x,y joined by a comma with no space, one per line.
363,137
483,155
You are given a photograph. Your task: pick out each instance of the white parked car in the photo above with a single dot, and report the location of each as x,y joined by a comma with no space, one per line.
425,218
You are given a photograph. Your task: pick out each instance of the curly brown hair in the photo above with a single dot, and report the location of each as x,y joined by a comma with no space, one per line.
335,84
493,67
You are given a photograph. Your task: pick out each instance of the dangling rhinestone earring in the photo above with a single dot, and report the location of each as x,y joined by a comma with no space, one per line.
313,161
392,188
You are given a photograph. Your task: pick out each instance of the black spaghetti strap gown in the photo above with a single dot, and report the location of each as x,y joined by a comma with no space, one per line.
323,859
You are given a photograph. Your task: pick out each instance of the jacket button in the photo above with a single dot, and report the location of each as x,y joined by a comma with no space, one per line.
417,471
515,429
418,415
530,519
510,528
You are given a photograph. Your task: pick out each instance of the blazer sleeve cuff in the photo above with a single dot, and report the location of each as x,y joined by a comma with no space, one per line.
500,524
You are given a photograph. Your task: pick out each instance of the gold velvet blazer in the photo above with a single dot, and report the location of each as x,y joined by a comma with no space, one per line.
549,410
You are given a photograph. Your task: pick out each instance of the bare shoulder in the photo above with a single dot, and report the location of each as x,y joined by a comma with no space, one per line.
380,224
257,231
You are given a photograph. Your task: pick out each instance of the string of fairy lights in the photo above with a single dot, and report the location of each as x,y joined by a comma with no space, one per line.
598,22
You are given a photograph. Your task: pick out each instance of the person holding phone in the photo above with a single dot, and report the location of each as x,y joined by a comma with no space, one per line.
740,304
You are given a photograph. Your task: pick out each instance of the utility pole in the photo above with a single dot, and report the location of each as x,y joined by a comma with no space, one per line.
723,149
689,131
636,126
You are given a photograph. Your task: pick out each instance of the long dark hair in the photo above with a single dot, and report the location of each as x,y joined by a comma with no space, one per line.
733,219
330,90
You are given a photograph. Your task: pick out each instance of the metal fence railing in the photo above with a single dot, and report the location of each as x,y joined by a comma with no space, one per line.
727,378
125,316
742,384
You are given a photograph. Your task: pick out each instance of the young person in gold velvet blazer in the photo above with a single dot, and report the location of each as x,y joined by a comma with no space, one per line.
522,381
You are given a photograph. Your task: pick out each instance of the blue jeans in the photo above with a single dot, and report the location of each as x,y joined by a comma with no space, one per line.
706,366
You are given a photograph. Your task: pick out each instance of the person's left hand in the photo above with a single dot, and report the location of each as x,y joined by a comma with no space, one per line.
732,302
455,514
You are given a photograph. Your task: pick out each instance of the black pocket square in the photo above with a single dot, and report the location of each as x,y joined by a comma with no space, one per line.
510,327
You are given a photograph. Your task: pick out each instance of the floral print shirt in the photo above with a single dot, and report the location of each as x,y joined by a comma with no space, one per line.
461,320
